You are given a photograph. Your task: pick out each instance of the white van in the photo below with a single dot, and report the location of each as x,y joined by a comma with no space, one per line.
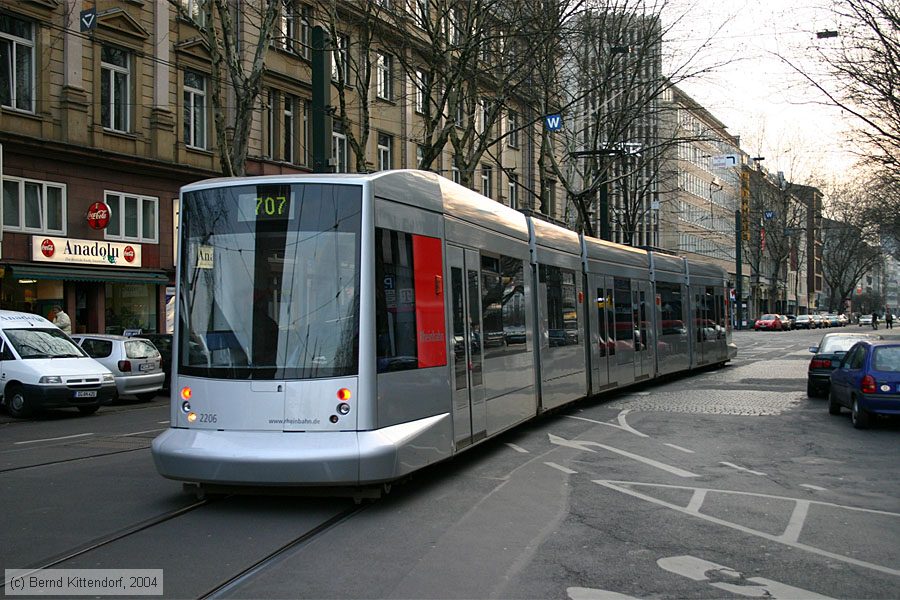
41,367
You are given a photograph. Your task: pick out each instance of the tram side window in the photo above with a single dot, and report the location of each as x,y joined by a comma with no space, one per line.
562,313
395,302
720,311
671,308
622,304
502,305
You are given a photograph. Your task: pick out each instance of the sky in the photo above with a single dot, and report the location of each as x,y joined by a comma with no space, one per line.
777,114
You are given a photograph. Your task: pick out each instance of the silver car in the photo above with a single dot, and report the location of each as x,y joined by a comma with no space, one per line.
135,362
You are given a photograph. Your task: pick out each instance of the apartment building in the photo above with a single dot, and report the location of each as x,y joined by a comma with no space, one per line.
108,107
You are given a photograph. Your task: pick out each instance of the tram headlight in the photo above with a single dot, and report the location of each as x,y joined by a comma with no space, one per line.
343,408
344,394
185,407
186,393
192,416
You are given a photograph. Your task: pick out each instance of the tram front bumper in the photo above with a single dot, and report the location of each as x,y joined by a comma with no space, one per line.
266,458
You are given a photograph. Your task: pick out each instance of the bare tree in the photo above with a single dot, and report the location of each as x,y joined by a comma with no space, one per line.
850,247
236,69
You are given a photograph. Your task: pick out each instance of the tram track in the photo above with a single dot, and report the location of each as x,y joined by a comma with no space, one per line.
116,536
70,460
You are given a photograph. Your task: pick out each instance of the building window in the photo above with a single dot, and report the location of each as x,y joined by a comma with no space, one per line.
384,70
339,152
115,88
548,206
287,27
270,124
512,129
420,155
305,48
306,151
194,10
132,218
487,180
340,62
420,86
290,105
454,171
421,10
36,206
194,110
513,191
16,63
385,143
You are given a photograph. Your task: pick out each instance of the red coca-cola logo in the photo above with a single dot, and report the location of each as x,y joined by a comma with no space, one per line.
128,253
47,248
98,215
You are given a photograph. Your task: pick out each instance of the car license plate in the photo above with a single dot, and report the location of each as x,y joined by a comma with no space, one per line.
147,367
86,394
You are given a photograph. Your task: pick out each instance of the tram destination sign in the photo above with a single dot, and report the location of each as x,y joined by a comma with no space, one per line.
84,252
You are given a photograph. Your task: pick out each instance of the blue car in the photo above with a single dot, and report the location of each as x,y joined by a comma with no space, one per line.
867,382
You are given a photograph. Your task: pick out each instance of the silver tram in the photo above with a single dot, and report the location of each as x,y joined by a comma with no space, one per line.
344,330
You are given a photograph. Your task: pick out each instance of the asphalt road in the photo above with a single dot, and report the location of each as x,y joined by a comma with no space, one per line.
729,483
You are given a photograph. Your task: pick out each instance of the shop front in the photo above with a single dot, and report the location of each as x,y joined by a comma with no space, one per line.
101,285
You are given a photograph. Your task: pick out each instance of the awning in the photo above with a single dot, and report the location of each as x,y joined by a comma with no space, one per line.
70,273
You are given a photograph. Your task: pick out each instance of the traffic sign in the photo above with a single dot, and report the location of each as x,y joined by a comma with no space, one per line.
725,160
88,19
553,122
769,214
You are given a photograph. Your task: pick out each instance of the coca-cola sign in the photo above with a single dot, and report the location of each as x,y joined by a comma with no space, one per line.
48,248
98,215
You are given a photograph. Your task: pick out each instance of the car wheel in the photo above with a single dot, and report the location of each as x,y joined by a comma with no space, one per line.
834,407
17,404
146,396
87,410
858,417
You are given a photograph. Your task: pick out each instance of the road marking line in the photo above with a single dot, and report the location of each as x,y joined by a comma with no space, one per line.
628,427
65,437
518,448
561,468
583,445
613,425
774,538
163,422
140,432
679,448
696,500
579,593
813,487
734,466
795,524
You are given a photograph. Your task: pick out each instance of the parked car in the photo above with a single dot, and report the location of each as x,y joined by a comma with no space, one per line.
844,319
819,321
163,343
804,322
828,355
865,320
769,322
134,361
786,323
834,320
867,382
41,367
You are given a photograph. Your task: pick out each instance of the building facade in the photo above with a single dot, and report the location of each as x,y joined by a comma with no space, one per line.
110,118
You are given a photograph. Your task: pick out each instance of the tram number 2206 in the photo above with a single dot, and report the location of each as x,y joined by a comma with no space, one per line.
272,206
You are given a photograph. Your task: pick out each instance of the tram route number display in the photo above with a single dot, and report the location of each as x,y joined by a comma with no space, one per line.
265,208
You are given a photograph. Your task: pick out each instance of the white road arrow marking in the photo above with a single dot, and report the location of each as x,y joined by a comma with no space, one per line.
585,447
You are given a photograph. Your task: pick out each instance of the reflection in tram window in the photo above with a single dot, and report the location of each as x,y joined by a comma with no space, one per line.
624,316
562,313
459,332
395,302
671,308
503,305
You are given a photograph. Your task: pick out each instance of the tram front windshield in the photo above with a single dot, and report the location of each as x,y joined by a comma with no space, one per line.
270,281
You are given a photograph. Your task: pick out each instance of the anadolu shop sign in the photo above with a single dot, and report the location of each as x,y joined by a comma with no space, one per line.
84,252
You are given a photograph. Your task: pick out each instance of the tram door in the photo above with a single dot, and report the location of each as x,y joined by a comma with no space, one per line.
606,329
645,345
469,415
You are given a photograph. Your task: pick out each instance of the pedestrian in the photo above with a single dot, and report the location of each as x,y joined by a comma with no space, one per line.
888,318
61,319
874,320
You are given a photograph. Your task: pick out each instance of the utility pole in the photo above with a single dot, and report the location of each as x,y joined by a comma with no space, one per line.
738,270
321,101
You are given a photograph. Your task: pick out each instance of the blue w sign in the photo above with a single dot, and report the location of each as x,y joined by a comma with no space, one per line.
553,122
